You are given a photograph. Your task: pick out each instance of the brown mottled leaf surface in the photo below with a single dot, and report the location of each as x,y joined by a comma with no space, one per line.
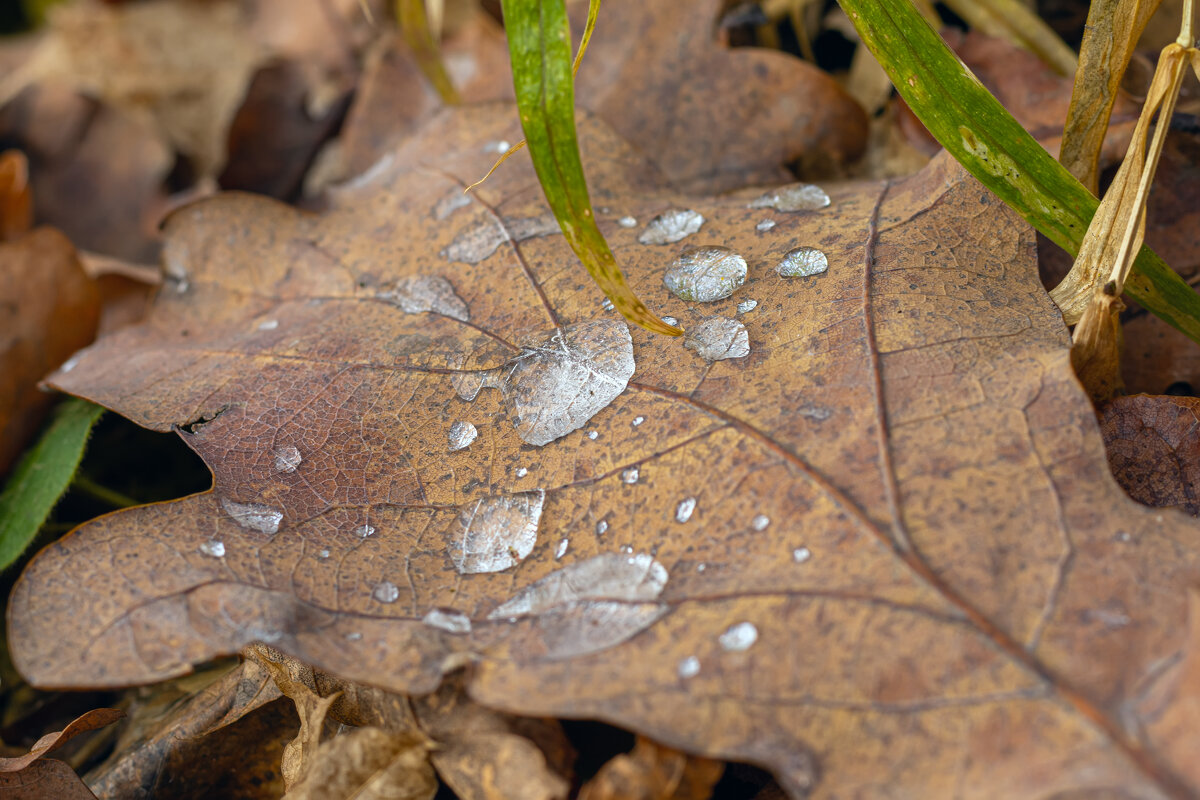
1154,448
908,570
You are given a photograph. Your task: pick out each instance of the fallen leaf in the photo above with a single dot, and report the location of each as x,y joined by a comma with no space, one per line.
368,764
653,772
97,718
1171,706
16,205
1154,449
46,779
880,552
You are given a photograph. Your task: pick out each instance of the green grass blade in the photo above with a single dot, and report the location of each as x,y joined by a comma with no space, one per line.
42,475
978,131
539,44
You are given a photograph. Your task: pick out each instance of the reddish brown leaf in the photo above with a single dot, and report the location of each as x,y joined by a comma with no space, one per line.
1154,448
47,779
653,772
97,718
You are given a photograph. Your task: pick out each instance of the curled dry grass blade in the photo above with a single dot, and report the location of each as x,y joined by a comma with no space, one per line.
414,25
539,44
970,123
1017,22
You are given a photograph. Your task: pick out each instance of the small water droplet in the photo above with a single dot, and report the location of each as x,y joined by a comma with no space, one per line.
213,548
746,306
765,225
671,321
797,197
496,532
287,458
268,325
354,636
448,620
801,554
629,475
522,472
498,146
718,338
705,274
689,667
760,522
386,592
671,226
324,553
601,527
1124,536
254,516
627,222
683,512
418,294
739,637
701,567
802,262
461,435
607,304
638,421
363,531
70,363
593,435
626,548
561,550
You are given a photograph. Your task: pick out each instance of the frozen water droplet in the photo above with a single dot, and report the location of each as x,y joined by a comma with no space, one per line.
607,304
739,637
689,667
638,421
354,636
70,363
683,512
671,321
797,197
254,516
453,201
496,533
718,338
363,531
765,225
592,435
671,226
421,293
324,553
802,263
627,222
705,274
629,475
601,527
522,472
746,306
461,435
268,325
604,577
760,522
386,592
561,550
287,458
801,554
213,548
448,620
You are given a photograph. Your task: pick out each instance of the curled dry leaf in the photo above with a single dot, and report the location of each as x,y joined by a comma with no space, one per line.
653,772
1154,448
368,764
90,721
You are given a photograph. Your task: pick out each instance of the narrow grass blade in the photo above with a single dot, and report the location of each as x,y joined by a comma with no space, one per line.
414,25
1015,21
539,43
42,475
992,146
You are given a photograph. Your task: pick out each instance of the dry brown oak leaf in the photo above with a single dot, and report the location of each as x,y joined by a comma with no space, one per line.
1154,448
881,554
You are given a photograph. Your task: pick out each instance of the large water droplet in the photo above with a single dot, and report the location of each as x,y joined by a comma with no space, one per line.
802,262
213,548
476,242
417,294
671,226
287,458
739,637
461,435
254,516
683,512
386,592
717,338
495,533
609,576
705,274
448,620
797,197
689,667
579,629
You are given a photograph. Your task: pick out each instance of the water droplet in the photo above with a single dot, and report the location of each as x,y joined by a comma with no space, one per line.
671,226
287,458
453,201
268,325
627,222
607,304
386,592
671,321
760,522
701,567
604,577
324,553
1124,536
629,475
683,512
601,527
579,629
354,636
638,421
593,435
561,550
461,435
797,197
689,667
363,531
522,472
718,338
765,225
421,293
739,637
496,533
70,363
479,240
801,554
254,516
705,274
747,306
802,263
213,548
448,620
